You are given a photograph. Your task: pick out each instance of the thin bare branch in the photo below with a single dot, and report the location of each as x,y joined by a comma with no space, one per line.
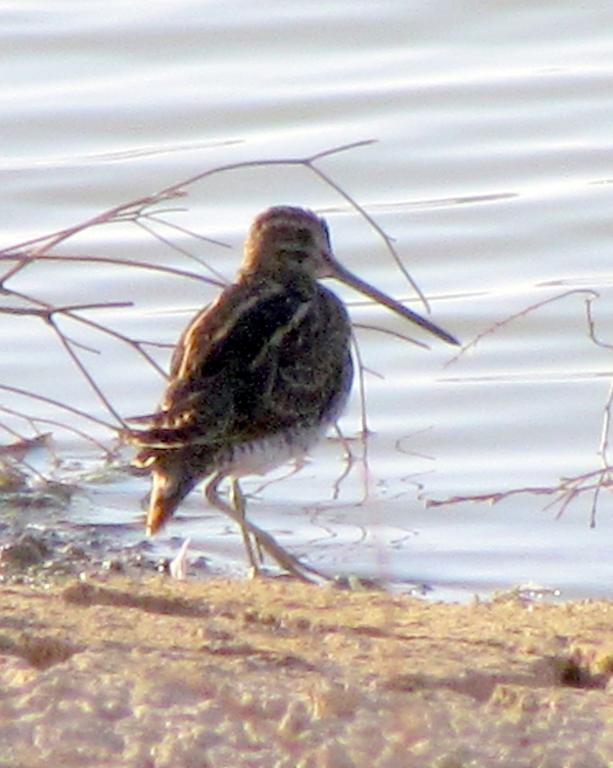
86,374
175,247
603,448
149,213
591,324
388,241
34,420
174,271
388,332
510,318
157,219
58,404
361,385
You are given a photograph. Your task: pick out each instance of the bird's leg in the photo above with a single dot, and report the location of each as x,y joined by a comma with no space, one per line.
264,540
236,510
237,501
254,551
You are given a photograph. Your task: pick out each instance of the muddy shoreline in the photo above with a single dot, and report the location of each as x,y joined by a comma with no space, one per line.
149,672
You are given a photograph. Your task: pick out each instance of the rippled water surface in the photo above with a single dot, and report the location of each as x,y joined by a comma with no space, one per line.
492,171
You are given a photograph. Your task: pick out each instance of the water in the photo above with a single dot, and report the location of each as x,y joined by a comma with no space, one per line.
492,170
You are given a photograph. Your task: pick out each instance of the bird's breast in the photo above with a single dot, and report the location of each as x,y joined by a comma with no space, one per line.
259,456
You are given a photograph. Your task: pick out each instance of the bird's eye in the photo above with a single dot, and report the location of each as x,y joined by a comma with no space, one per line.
304,236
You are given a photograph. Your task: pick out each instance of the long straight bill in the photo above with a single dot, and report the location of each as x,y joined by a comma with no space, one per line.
339,272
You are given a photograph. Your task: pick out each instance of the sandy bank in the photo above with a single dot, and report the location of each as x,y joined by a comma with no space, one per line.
223,674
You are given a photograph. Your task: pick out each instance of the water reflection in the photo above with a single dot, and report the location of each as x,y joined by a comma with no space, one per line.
491,173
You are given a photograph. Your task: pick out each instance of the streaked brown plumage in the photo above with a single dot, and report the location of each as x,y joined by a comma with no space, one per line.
259,374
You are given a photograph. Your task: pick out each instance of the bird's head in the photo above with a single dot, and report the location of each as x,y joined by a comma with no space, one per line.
288,240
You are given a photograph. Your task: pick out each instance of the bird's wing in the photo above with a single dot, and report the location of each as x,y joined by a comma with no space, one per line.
310,372
225,366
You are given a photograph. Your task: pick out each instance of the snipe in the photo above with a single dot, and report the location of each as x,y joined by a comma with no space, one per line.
258,375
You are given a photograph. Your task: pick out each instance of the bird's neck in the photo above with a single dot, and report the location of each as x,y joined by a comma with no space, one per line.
294,279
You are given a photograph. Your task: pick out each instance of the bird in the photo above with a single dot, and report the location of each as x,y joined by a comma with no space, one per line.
257,376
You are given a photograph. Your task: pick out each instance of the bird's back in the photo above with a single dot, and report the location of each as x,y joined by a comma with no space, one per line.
266,358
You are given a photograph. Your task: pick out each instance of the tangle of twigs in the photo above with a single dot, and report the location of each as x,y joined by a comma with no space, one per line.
149,214
567,489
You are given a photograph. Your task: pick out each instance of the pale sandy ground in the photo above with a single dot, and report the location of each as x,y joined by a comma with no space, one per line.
222,674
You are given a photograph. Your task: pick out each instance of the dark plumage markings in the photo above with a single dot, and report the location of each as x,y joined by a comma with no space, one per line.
245,374
258,375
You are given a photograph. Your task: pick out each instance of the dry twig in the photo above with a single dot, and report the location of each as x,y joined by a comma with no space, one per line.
150,215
